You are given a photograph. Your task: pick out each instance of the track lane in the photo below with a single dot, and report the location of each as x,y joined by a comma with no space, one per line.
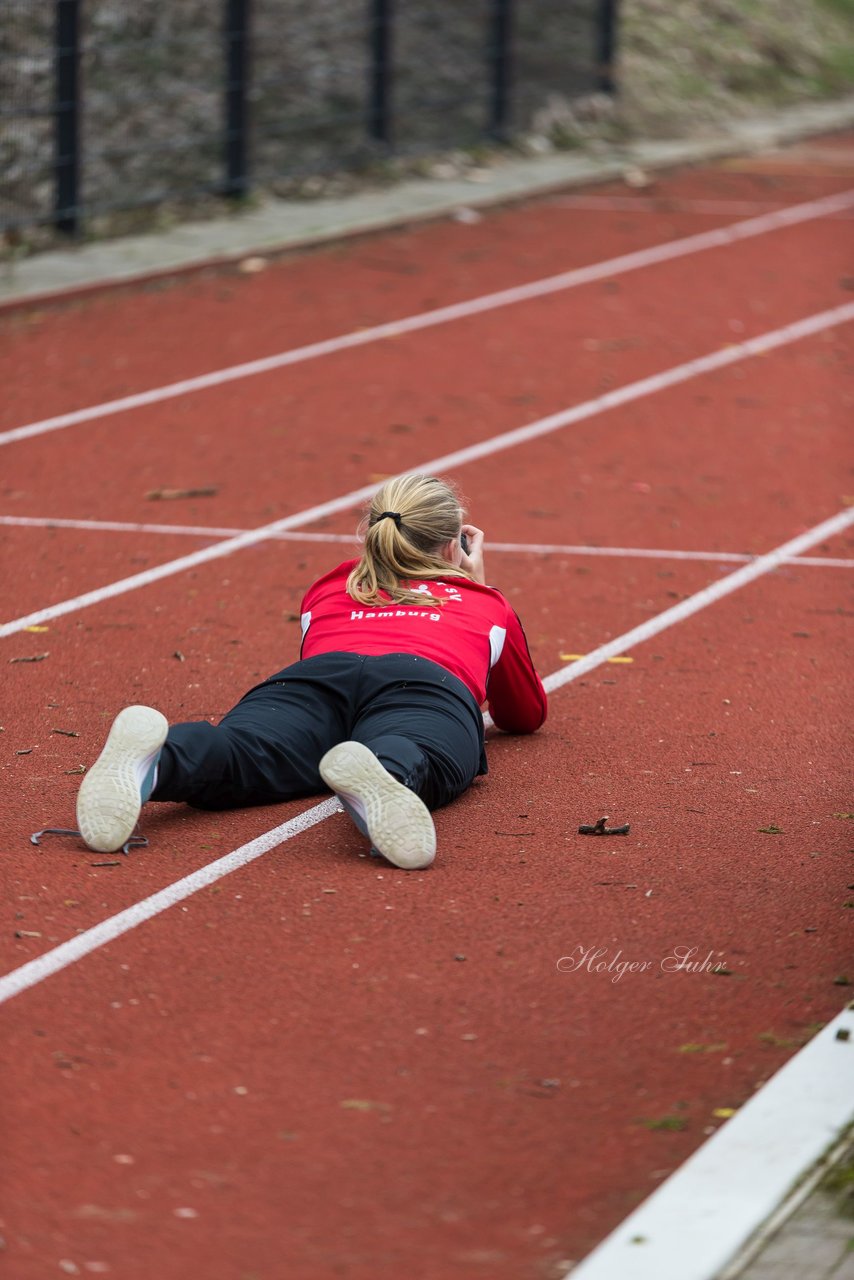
629,638
58,563
822,352
135,662
781,420
51,349
113,1083
376,410
202,614
490,1135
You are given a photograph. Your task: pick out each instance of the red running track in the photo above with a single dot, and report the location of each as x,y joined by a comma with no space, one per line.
321,1067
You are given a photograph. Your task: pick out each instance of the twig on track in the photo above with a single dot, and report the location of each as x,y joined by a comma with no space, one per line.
601,828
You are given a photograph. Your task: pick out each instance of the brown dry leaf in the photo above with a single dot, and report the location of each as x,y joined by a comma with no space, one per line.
35,657
168,495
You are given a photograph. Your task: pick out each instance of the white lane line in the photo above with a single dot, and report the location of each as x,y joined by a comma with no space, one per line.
714,239
351,539
83,944
509,439
68,952
702,599
698,1220
653,553
180,530
664,204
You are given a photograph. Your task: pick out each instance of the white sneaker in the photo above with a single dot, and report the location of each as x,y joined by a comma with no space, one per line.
120,781
395,819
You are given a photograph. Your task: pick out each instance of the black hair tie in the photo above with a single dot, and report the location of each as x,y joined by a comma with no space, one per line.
395,515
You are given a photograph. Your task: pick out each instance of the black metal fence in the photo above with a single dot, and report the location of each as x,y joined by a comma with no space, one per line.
117,104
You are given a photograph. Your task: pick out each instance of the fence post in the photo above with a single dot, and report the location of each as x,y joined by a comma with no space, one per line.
67,115
236,34
606,45
379,103
500,64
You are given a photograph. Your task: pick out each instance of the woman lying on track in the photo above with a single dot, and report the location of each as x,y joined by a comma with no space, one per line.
399,650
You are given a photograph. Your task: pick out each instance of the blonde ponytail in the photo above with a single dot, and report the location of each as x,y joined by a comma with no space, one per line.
409,522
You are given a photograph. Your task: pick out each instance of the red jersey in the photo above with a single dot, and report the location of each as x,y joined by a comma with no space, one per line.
475,635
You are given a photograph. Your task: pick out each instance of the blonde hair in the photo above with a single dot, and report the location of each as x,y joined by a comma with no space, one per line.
425,514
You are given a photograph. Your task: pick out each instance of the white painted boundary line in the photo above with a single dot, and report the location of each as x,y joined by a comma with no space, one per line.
28,975
701,599
509,439
652,553
180,530
351,539
663,205
67,953
717,238
699,1219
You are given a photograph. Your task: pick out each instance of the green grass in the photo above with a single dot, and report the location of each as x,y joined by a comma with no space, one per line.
839,1182
843,8
837,75
672,1124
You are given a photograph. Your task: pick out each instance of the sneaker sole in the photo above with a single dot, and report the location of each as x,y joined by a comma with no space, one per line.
109,800
398,821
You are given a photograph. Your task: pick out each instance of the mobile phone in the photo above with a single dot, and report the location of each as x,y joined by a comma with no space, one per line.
464,543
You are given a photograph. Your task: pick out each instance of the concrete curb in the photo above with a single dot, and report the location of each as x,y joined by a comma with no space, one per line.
282,225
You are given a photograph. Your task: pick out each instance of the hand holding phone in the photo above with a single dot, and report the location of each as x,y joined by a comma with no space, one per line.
471,541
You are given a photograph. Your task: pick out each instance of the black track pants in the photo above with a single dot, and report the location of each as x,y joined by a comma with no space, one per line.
420,721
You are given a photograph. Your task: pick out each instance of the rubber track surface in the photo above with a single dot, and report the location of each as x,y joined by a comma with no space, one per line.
323,1067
